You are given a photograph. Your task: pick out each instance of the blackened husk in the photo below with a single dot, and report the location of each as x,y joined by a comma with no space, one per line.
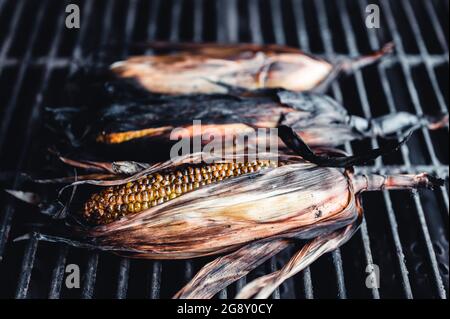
320,121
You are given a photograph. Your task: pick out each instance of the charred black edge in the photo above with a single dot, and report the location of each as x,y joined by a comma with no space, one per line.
296,144
434,181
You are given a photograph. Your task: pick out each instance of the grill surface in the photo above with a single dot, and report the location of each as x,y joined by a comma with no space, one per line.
404,233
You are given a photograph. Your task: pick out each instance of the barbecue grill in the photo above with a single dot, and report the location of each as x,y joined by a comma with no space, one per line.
404,234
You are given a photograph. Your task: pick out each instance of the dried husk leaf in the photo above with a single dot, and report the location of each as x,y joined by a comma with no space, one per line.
225,270
264,286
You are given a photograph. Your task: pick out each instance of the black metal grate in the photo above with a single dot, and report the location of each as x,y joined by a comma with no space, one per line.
405,233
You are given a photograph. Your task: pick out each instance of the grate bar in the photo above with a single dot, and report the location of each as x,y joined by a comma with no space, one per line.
240,283
232,21
431,253
107,22
257,37
440,169
424,53
25,274
307,283
398,245
437,27
414,96
129,24
155,286
255,21
124,264
92,263
27,267
277,20
304,45
279,39
351,42
225,35
151,29
226,25
58,273
362,93
122,280
197,37
13,26
299,17
175,23
223,294
90,276
198,20
407,72
445,196
221,32
374,43
156,269
88,289
337,262
6,120
5,225
337,92
188,270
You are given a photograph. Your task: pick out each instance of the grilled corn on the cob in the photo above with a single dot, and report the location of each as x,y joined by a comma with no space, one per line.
320,120
258,211
196,68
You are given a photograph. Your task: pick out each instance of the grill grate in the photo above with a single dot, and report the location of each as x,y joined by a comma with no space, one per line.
417,236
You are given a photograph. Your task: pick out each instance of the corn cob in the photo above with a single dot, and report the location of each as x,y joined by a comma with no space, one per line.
151,190
252,215
195,68
320,120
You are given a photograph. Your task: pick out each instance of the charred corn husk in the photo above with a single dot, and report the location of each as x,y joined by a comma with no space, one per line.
291,198
298,198
196,68
319,119
252,215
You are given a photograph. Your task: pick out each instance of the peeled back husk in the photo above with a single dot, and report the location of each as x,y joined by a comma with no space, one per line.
250,216
297,198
